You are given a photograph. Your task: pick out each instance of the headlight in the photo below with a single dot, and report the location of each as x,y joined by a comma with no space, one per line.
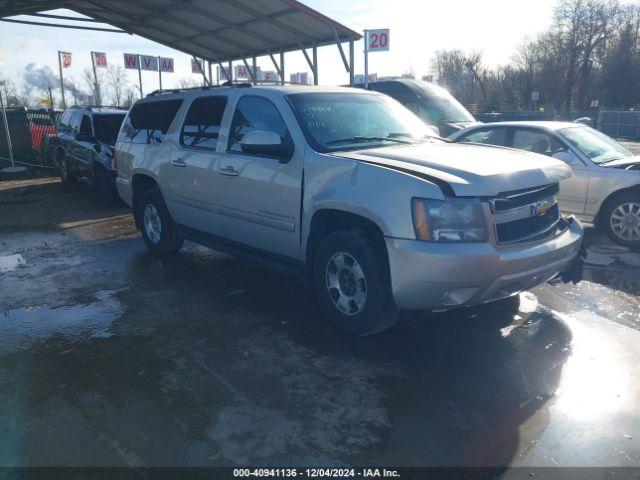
452,220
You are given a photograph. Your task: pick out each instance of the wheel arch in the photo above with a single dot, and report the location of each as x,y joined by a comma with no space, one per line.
140,183
328,220
611,197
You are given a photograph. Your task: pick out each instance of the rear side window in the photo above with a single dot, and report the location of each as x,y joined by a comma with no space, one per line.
149,122
202,123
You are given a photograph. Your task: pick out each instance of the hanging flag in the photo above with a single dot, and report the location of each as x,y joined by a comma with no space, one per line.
65,59
166,65
196,66
148,62
131,61
99,59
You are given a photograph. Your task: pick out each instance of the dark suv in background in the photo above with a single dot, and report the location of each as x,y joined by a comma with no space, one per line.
86,137
433,104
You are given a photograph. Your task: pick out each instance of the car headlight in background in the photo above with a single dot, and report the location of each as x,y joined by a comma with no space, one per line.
451,220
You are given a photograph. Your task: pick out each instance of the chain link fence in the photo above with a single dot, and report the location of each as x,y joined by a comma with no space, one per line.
615,123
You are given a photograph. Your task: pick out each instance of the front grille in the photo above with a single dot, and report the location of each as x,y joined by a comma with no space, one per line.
525,215
510,200
527,228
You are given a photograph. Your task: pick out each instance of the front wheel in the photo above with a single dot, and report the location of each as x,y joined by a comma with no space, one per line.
621,219
351,282
66,174
159,232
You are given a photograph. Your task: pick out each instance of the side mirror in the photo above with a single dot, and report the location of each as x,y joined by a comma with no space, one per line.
83,137
567,157
263,142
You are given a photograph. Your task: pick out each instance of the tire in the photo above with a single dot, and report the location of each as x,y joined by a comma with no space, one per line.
104,186
359,300
66,175
159,232
620,219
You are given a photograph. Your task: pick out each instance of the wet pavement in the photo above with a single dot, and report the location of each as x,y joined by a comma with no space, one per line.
110,356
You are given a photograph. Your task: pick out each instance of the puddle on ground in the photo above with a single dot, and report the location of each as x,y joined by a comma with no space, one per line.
23,328
9,263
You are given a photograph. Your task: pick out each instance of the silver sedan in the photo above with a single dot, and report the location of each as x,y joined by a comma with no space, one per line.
605,187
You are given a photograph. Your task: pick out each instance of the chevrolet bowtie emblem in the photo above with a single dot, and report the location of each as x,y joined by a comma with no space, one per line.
541,208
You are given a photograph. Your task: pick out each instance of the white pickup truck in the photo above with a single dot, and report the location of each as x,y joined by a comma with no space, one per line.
349,188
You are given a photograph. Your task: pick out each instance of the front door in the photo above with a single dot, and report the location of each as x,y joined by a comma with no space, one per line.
260,195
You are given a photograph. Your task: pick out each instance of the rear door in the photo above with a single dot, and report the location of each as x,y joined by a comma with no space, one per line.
193,188
84,148
259,195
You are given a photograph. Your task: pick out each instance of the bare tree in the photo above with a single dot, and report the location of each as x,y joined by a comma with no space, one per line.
119,83
187,83
130,96
74,89
96,88
10,93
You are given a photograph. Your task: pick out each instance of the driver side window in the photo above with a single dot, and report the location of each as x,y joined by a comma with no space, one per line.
536,142
489,136
254,113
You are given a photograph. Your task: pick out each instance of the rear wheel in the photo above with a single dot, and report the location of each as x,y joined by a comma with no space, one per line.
159,232
351,282
621,218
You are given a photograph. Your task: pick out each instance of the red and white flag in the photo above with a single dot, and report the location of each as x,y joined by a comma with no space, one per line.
99,59
131,61
65,59
196,66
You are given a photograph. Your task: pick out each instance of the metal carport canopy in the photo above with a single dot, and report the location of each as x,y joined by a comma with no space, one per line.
216,30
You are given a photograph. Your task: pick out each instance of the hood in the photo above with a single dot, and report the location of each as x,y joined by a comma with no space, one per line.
625,163
470,170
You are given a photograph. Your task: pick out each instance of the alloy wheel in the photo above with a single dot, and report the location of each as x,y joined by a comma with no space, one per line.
346,283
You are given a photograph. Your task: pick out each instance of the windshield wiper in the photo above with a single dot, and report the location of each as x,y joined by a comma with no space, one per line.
363,139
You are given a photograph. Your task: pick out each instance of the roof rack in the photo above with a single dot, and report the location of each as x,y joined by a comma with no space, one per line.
200,88
223,85
91,107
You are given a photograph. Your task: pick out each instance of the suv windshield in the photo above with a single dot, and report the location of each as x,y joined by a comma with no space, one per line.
343,121
594,144
107,126
440,106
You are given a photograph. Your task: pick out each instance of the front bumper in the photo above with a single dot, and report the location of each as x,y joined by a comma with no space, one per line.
438,276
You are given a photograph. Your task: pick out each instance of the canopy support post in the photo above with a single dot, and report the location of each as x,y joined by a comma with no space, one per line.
347,66
315,65
352,57
252,75
282,66
254,64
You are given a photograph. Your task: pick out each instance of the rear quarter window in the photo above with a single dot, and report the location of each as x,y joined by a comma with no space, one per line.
149,122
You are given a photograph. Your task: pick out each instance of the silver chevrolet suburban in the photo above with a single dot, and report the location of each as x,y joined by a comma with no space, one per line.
349,188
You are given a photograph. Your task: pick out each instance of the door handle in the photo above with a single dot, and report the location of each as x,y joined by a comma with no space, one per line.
178,162
229,171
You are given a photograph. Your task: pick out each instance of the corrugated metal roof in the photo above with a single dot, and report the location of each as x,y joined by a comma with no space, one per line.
216,30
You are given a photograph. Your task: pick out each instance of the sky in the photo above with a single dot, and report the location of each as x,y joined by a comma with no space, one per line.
417,29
